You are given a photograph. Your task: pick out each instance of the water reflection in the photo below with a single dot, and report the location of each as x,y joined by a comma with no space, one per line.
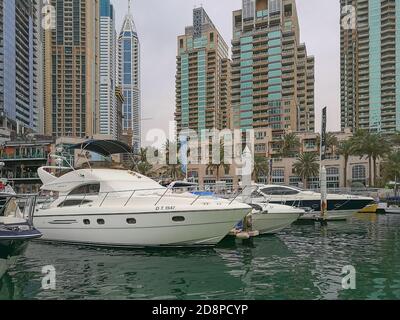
303,262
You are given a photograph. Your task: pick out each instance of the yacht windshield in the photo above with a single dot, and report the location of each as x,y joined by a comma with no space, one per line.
278,191
11,209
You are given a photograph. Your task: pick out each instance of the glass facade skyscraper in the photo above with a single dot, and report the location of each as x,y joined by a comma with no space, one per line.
370,65
272,75
203,77
19,32
71,70
129,80
108,103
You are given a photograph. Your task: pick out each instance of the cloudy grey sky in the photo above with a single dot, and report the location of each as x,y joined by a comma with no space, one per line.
159,22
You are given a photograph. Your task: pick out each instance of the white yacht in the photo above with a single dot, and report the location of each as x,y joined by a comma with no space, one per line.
340,206
122,208
265,218
268,218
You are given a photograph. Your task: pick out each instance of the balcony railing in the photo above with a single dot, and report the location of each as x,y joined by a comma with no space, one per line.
38,155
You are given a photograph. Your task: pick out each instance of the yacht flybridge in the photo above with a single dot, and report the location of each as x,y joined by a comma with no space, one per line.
121,208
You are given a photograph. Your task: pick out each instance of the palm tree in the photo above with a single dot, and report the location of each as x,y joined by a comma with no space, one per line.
173,171
290,145
379,149
391,166
217,166
306,166
331,141
261,167
142,164
346,149
373,146
143,154
395,139
144,168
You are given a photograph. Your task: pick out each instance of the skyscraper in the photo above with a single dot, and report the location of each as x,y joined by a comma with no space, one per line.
370,65
129,78
72,70
272,75
108,70
19,32
203,77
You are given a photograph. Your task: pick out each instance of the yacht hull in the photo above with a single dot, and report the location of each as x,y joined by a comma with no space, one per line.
272,223
13,244
137,230
340,205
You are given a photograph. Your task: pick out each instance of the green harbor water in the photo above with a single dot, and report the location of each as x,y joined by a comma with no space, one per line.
302,262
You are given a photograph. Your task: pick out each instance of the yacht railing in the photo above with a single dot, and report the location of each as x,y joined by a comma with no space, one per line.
127,195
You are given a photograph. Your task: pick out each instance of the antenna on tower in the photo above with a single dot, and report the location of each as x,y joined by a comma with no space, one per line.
129,6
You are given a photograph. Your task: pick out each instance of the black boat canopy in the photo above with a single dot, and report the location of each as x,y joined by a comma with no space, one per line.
104,148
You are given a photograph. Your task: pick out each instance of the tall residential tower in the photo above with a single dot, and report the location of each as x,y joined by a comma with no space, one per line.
108,71
129,79
202,77
370,65
71,90
19,77
272,75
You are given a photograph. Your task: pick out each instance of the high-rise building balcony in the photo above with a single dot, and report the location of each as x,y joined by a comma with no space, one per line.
13,177
14,156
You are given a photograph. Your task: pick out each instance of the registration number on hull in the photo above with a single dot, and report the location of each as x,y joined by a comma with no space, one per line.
165,208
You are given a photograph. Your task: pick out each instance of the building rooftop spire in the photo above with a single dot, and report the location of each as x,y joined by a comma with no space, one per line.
128,24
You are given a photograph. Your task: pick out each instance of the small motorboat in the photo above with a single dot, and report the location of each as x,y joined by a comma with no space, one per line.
392,210
265,219
340,206
16,228
271,218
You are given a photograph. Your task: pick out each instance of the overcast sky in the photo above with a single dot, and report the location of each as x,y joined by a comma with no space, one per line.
159,22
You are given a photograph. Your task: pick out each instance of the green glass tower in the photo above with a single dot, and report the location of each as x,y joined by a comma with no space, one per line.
202,77
370,65
272,75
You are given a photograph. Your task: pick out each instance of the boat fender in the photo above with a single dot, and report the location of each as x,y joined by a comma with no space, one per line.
243,236
254,233
248,222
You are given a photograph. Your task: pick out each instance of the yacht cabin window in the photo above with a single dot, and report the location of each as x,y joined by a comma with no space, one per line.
279,191
73,203
87,189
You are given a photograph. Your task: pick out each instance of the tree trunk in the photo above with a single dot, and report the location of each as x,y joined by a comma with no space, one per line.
375,175
370,172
